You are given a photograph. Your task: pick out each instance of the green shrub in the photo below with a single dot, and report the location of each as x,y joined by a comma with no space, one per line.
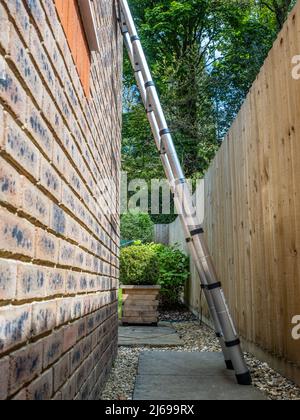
139,266
155,264
174,271
137,226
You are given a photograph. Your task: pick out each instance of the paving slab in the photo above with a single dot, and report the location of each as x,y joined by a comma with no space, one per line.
187,376
161,336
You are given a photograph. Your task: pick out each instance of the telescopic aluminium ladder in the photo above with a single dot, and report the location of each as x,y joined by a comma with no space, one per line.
194,233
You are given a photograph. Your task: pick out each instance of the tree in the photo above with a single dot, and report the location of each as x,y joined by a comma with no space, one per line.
280,8
140,158
204,56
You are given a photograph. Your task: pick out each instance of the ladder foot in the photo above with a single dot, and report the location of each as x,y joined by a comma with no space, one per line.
229,365
244,379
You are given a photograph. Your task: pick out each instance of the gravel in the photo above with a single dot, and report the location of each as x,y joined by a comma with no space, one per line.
195,337
177,316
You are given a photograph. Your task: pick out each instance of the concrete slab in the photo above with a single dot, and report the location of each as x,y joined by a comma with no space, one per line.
182,364
161,336
187,376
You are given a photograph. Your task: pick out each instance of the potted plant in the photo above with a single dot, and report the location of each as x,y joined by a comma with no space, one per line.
139,272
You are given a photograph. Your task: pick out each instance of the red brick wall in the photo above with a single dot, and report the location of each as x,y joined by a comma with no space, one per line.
58,247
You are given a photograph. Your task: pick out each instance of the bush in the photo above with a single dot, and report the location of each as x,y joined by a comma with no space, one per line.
156,264
174,271
137,226
139,266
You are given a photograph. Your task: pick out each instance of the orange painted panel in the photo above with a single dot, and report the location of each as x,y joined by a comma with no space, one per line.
69,14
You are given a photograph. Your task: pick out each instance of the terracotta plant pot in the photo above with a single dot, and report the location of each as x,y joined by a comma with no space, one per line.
140,305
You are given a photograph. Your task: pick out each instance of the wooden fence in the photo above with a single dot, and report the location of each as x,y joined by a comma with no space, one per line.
252,210
161,234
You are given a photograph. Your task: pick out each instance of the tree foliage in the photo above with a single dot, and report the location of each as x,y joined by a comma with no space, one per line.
174,271
279,8
204,56
137,227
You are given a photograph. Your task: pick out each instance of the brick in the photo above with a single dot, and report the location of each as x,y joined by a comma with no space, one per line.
84,238
38,15
79,259
61,371
11,91
92,283
80,328
61,38
86,346
70,146
20,16
64,307
69,199
76,357
91,323
56,282
72,229
66,253
85,391
36,125
61,101
22,61
42,388
16,234
69,337
88,264
72,282
25,365
34,203
100,333
15,325
59,160
77,397
10,184
21,396
43,317
70,92
53,346
80,377
69,389
77,308
86,304
50,180
4,367
95,394
97,359
58,220
39,56
95,269
8,275
47,246
75,180
94,338
57,397
4,23
20,148
2,120
51,113
31,281
89,364
83,282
